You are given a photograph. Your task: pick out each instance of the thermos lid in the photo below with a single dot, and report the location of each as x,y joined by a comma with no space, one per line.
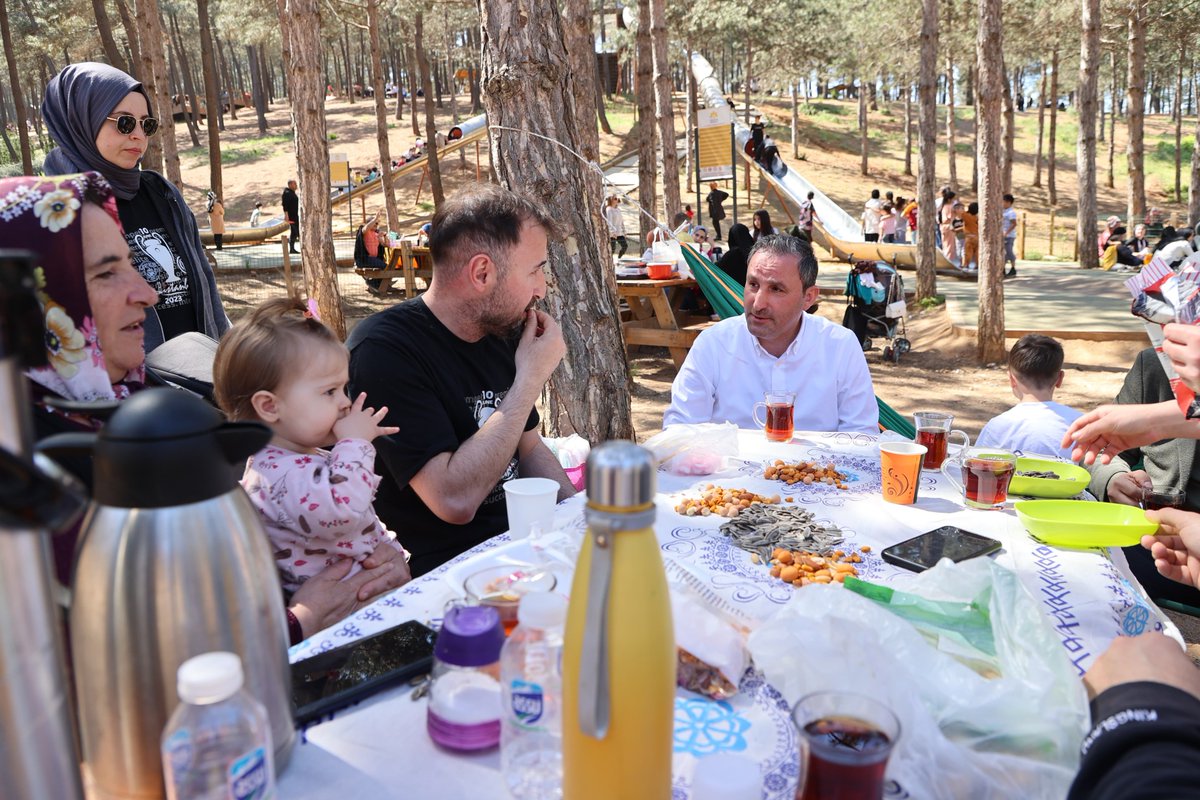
209,678
471,636
620,475
164,414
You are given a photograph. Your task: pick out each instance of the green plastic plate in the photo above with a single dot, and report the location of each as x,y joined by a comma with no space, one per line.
1072,479
1079,523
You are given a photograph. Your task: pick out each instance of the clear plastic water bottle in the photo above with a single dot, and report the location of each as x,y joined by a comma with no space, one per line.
217,744
531,674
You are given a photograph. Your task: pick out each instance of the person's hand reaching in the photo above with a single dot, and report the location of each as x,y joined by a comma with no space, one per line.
1176,546
363,423
1102,434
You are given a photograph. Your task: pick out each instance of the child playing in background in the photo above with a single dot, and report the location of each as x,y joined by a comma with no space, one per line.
281,366
1036,424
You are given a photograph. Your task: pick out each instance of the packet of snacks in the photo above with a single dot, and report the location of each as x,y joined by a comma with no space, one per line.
1162,295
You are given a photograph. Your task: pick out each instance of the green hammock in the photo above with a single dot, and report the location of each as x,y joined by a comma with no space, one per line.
724,294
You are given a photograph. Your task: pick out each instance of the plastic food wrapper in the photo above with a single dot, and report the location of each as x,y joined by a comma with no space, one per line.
710,639
1162,295
694,449
988,702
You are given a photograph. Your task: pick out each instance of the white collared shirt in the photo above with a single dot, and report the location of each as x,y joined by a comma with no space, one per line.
727,371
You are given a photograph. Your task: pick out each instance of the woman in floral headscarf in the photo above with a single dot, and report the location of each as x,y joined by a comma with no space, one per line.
93,300
95,303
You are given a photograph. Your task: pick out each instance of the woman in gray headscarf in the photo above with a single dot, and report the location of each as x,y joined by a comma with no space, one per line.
100,118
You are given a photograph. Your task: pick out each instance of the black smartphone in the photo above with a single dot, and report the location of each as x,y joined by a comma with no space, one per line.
922,552
337,678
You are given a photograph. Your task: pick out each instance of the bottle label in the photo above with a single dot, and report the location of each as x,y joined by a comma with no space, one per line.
527,702
179,750
250,778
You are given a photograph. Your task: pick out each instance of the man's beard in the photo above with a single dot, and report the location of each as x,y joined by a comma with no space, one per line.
494,322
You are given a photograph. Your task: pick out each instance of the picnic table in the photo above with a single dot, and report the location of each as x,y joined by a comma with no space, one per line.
380,747
655,315
406,262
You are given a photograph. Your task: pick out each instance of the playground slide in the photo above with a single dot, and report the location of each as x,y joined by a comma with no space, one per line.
461,135
837,231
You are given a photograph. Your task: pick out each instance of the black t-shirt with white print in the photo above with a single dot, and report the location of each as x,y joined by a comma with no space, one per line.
156,257
439,391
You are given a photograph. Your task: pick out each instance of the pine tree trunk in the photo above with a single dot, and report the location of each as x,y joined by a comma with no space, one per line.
927,139
104,29
746,80
951,138
257,90
1085,154
908,137
579,42
1179,130
1112,124
600,112
1194,185
225,73
381,115
666,114
1052,134
527,81
796,123
1135,149
267,74
301,20
133,38
864,144
192,115
14,83
212,100
991,79
435,171
414,78
8,145
692,113
1010,127
348,75
1041,136
156,80
643,86
401,58
971,76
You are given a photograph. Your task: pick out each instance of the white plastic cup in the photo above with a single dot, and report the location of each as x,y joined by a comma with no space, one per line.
531,502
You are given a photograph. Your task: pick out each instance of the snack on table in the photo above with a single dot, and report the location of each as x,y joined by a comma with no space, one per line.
711,653
722,501
806,472
760,529
802,567
1046,475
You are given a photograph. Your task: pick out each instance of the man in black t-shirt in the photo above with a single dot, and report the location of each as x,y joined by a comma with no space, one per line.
460,369
291,211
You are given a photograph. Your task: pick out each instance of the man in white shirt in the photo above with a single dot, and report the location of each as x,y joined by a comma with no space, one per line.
870,217
1036,424
776,346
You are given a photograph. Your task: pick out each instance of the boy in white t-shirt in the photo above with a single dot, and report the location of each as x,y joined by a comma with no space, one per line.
1036,424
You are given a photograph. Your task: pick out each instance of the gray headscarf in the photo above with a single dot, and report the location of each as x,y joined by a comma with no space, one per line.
77,101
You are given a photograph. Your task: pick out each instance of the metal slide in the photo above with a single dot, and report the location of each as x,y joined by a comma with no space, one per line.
837,231
460,136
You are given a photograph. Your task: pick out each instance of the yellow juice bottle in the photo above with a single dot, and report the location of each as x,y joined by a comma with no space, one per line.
619,646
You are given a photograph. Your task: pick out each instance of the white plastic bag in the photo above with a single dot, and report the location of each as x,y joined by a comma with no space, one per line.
668,251
698,449
962,734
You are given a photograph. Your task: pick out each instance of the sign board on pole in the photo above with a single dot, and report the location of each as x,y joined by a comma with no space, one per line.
713,131
339,169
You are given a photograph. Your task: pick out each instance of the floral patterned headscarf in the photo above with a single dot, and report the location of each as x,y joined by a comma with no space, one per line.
44,215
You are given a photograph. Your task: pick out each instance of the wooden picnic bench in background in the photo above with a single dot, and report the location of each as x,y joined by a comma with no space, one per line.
406,262
655,318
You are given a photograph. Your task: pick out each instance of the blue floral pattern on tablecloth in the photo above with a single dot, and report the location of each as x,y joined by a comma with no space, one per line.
704,727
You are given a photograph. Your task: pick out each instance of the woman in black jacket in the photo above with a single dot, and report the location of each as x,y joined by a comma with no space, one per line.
737,258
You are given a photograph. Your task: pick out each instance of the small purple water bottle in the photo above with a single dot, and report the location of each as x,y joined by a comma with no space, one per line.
465,694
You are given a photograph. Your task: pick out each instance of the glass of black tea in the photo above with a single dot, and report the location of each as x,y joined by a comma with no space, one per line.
1156,497
848,738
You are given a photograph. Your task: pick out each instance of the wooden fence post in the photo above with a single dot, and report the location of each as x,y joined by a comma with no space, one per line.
287,267
1021,236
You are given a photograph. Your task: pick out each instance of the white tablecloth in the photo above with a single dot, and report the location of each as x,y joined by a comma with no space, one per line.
380,747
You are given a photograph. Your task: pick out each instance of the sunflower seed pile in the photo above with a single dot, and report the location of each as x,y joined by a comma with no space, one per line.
759,529
1047,475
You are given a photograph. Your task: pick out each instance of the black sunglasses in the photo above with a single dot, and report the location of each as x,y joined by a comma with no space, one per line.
127,122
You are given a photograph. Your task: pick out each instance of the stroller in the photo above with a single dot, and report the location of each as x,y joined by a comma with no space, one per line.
875,307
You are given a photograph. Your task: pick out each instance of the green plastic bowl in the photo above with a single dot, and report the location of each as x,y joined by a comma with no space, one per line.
1078,523
1072,479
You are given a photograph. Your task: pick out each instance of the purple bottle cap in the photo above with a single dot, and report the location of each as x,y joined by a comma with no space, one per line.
471,636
